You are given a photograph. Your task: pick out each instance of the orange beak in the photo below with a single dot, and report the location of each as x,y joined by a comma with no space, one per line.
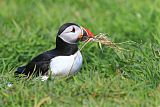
86,34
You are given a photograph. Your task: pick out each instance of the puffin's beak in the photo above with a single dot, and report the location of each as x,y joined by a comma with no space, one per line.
86,34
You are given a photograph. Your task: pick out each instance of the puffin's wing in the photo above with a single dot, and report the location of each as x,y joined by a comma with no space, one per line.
38,65
20,70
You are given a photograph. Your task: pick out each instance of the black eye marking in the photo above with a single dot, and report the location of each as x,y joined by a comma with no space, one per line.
73,29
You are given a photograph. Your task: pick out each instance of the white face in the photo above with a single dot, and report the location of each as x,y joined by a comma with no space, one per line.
71,34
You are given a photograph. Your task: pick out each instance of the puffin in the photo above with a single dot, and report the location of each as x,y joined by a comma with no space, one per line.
65,59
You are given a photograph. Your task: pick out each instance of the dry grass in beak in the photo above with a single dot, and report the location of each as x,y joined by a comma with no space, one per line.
103,39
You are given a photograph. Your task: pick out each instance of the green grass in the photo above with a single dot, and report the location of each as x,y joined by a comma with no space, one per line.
108,78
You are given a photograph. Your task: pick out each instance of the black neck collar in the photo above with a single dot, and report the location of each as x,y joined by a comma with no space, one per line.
65,48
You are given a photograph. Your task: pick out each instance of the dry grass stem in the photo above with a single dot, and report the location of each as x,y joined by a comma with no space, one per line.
102,39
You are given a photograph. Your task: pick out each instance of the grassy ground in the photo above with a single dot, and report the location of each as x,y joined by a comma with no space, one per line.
108,78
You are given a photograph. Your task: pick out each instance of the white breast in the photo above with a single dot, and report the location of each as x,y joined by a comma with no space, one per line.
66,65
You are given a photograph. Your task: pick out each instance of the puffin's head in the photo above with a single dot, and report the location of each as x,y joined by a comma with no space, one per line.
72,33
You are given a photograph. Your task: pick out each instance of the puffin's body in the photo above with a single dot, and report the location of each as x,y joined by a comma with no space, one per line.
66,65
65,59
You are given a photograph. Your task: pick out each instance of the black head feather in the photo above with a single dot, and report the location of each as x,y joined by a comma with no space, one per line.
64,26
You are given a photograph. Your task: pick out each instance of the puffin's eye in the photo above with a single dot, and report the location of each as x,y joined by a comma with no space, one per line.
73,29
